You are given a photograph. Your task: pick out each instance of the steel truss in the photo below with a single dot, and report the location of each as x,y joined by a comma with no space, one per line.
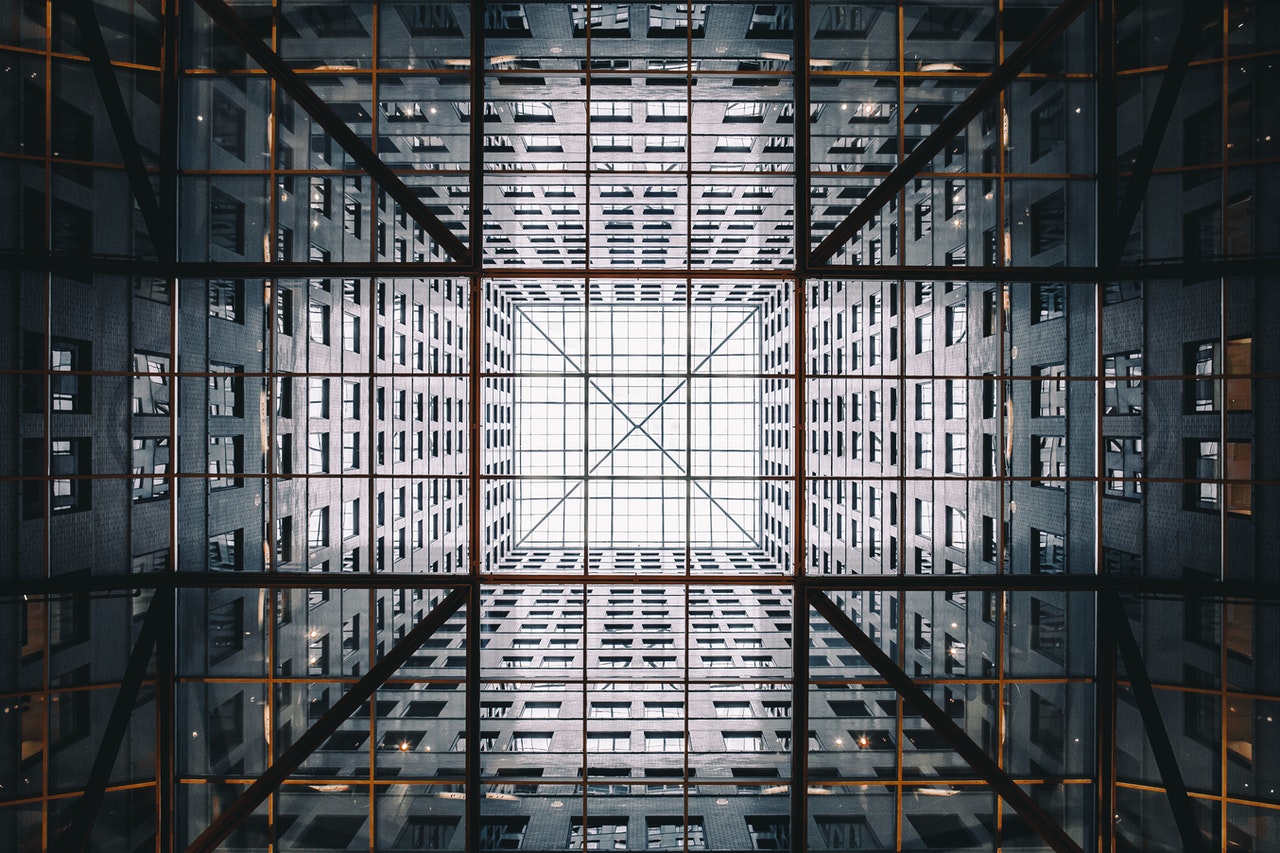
1115,634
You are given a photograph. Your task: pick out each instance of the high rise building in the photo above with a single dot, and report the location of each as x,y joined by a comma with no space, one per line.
494,426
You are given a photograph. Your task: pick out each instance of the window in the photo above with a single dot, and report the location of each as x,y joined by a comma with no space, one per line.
427,833
227,126
613,742
351,332
318,528
1049,459
769,833
1048,128
672,833
924,334
1048,630
226,222
957,398
226,300
226,630
1048,302
225,552
743,741
599,833
318,322
1048,725
150,384
225,460
1050,394
226,390
1048,225
664,742
957,323
318,453
150,469
957,532
847,833
1122,396
957,445
69,393
530,742
502,833
1049,552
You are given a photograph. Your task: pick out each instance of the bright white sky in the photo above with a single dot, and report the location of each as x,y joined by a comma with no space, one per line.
662,400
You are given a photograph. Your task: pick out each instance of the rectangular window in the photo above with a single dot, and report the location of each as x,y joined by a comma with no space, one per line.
150,469
226,390
1048,128
1048,224
1049,459
225,551
150,384
226,222
1048,302
1050,552
672,833
1048,630
225,460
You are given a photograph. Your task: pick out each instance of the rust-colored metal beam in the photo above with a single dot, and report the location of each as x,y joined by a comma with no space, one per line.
107,584
314,105
975,756
918,160
328,723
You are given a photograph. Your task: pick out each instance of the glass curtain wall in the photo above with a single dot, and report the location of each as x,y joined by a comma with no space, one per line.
571,308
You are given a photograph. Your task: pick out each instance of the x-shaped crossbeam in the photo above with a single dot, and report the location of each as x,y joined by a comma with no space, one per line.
636,426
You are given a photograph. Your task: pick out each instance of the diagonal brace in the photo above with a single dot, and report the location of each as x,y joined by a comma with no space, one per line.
956,121
976,757
75,838
1166,761
328,723
1194,15
95,47
305,96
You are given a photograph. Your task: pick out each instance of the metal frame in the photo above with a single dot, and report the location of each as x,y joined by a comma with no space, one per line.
305,97
77,836
309,741
1135,668
976,757
1112,633
919,158
1194,15
104,74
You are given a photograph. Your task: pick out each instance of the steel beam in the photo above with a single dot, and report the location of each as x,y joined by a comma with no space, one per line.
166,698
75,838
115,584
84,265
918,160
314,105
328,723
975,756
1157,735
1105,725
95,47
1194,15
